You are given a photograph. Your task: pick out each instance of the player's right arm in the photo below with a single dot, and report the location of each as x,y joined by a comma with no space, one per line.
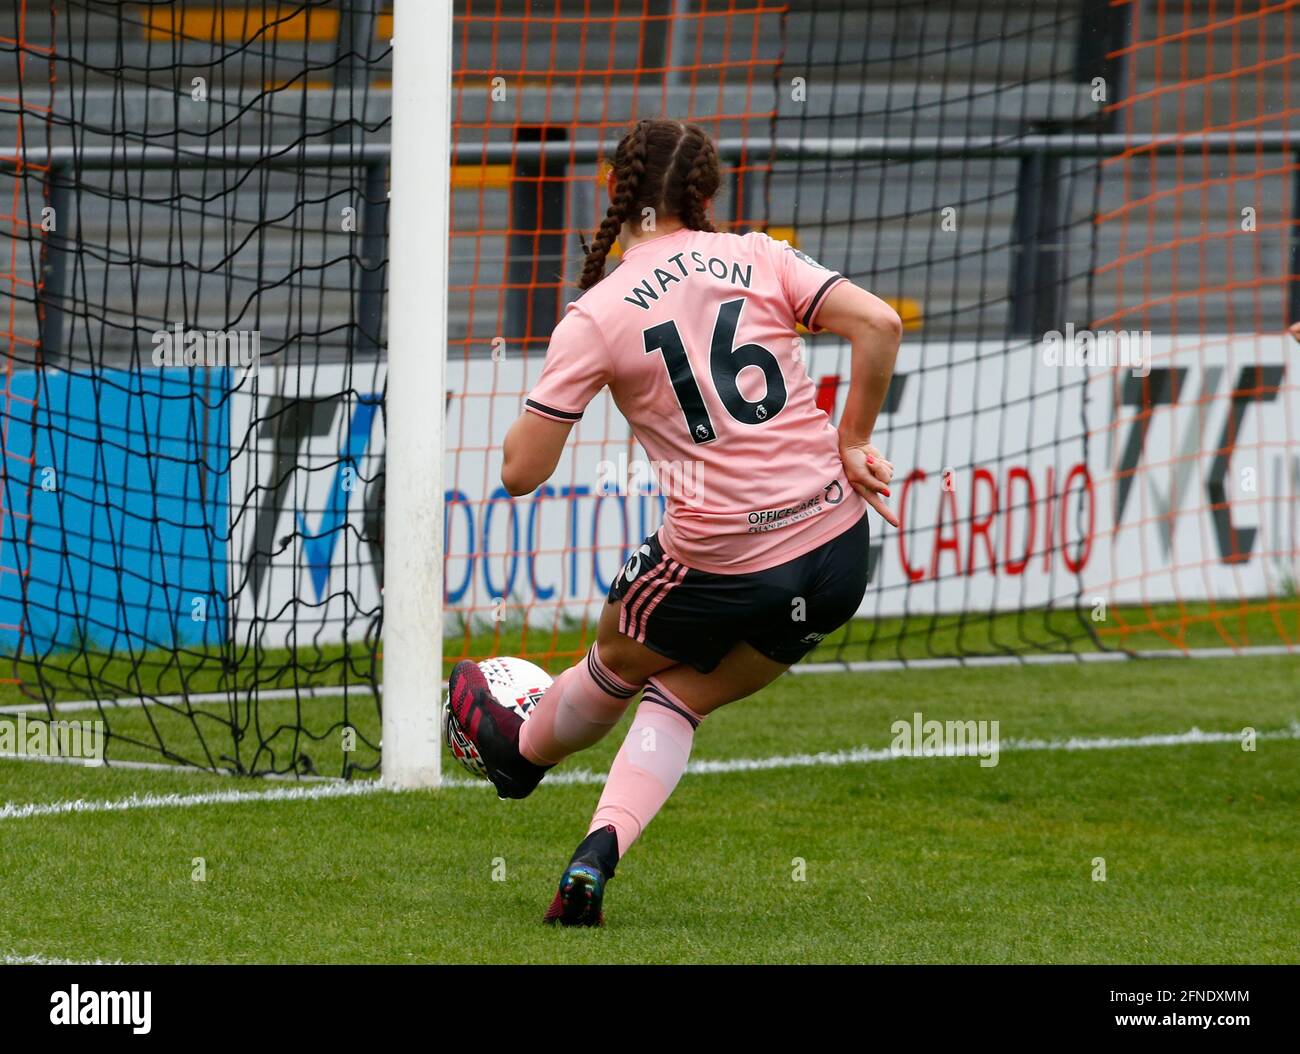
874,331
577,367
531,451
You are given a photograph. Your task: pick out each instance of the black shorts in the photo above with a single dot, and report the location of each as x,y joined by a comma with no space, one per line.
696,617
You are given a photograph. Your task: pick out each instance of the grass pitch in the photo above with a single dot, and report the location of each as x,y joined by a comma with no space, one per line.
904,860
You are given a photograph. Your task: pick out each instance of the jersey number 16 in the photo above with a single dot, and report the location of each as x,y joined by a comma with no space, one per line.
725,364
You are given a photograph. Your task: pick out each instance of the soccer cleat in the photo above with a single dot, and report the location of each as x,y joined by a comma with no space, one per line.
582,886
493,730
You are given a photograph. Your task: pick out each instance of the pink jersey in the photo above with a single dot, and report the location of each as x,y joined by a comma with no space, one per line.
694,333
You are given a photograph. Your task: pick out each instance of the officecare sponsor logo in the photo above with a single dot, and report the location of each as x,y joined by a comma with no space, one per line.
762,520
77,1007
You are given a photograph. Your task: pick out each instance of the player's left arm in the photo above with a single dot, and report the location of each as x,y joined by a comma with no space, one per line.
824,300
873,330
532,450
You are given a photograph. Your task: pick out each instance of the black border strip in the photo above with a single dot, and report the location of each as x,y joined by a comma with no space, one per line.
563,415
653,694
817,299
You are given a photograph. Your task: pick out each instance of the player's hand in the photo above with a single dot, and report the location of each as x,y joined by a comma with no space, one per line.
869,473
1295,330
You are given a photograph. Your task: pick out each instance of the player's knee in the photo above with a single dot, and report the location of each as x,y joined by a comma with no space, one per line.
620,659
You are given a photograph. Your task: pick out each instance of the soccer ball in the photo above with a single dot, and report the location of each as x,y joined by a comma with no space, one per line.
516,684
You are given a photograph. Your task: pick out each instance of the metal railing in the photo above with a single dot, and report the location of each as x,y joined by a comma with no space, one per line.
544,155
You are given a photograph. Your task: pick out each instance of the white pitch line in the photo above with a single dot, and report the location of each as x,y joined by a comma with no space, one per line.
866,755
583,777
13,811
161,766
45,960
856,666
1058,659
238,696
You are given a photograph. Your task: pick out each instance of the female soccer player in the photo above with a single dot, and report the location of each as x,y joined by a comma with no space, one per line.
694,335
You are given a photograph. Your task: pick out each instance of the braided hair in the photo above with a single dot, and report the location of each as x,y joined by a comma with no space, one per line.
665,165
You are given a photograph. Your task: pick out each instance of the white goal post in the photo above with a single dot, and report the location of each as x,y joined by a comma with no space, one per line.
419,217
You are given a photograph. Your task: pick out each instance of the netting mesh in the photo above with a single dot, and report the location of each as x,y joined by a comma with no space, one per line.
195,198
1200,245
195,374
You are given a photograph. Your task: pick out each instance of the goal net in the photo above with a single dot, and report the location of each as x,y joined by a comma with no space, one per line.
192,518
1085,212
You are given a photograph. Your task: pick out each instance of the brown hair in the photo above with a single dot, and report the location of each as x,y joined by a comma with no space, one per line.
665,165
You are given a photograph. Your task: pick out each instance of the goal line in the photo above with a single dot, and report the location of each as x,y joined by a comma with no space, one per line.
588,777
321,692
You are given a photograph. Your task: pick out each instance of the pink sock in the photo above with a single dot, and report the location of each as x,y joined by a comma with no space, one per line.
648,766
579,707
